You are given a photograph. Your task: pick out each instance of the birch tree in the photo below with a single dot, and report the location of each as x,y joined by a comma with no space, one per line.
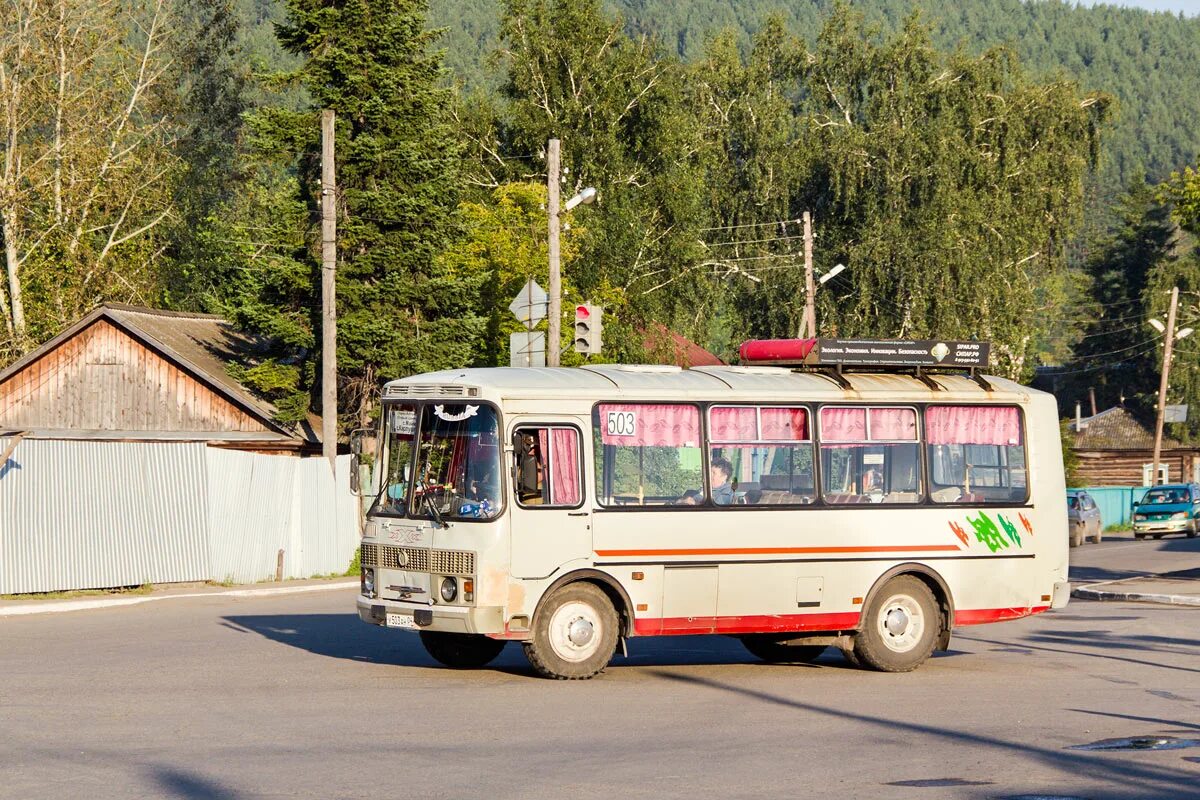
87,159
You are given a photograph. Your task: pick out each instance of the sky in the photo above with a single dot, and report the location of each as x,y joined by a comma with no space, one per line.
1189,7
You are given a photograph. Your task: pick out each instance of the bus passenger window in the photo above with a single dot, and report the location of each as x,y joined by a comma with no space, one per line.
869,455
546,467
647,454
768,450
976,454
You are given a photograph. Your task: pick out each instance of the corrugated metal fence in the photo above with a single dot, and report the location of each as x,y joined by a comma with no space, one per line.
1115,502
85,514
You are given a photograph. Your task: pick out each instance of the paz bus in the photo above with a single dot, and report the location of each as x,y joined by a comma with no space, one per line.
864,495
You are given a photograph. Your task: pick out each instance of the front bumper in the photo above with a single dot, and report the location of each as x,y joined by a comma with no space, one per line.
1162,526
443,618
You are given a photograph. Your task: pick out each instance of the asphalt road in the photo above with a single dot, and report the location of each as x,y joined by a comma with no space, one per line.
293,697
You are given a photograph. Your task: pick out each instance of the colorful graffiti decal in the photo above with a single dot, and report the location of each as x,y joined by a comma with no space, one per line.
1010,529
987,532
993,537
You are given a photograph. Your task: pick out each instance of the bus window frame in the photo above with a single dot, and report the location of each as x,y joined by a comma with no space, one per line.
814,407
1022,420
810,441
919,419
583,472
594,421
420,412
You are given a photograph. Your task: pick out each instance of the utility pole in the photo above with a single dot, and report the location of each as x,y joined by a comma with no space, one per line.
808,327
554,334
328,294
1162,386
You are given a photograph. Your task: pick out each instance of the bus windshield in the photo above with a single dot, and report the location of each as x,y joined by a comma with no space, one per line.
458,463
400,426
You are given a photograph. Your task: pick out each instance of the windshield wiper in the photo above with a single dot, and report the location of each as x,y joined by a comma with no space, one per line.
434,511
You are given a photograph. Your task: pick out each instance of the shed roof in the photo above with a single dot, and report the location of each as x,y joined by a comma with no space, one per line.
202,344
1117,428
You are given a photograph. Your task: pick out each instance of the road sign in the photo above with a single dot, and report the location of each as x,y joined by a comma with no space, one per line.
1175,413
530,304
527,349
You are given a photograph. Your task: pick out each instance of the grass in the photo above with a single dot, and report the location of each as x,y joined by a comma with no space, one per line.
1118,527
145,588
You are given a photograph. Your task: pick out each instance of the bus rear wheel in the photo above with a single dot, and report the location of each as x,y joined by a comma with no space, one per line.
770,649
574,633
461,650
900,627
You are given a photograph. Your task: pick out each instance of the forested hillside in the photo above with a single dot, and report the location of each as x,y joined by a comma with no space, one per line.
971,191
1149,61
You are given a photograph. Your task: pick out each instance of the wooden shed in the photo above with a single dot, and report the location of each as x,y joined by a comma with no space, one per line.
1115,448
130,373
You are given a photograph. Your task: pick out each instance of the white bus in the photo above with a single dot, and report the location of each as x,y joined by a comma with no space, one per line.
570,509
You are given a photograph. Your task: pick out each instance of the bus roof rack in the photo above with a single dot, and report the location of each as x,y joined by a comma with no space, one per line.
832,356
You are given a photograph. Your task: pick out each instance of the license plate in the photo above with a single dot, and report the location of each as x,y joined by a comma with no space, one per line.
401,621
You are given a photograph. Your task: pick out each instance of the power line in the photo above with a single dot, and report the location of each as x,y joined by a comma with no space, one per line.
783,222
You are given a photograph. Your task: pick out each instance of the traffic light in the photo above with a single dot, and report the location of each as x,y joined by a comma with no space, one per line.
587,329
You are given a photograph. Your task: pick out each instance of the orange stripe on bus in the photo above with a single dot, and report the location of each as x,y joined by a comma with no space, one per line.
766,551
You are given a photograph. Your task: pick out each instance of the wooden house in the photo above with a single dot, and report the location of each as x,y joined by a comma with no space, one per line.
1117,449
130,373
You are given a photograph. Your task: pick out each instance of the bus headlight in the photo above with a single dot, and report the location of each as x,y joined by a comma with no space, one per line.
1139,517
368,582
449,589
1179,515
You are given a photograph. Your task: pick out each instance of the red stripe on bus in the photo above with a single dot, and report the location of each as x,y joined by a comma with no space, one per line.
980,616
765,551
758,623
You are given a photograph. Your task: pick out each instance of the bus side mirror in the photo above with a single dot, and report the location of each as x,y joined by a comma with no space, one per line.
356,451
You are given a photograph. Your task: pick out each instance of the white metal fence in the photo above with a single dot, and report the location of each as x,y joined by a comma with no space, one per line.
86,514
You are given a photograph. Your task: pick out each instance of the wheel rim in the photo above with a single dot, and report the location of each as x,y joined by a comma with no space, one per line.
576,631
901,623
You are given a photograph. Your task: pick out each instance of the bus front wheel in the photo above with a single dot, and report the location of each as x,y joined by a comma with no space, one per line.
461,650
770,649
574,633
900,627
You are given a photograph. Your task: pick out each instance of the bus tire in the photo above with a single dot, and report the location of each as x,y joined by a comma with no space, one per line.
574,633
900,627
1076,535
768,648
461,650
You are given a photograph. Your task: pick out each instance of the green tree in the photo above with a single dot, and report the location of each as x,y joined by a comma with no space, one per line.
400,310
619,107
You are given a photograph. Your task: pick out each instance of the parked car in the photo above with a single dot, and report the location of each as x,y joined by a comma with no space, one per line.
1167,509
1083,518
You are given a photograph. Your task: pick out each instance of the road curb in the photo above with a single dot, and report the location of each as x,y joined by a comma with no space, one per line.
24,608
1091,592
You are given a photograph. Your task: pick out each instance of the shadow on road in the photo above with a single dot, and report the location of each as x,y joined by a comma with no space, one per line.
177,783
1147,780
1080,639
344,636
336,636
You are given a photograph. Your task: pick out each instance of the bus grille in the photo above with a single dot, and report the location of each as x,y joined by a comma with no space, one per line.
418,559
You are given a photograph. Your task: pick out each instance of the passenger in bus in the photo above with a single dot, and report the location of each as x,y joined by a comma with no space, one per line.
719,472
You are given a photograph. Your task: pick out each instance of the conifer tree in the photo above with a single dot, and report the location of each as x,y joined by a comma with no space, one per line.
398,164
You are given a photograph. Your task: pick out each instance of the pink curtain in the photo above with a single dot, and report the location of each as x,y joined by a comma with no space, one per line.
785,424
649,425
972,425
732,424
893,424
843,424
564,467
